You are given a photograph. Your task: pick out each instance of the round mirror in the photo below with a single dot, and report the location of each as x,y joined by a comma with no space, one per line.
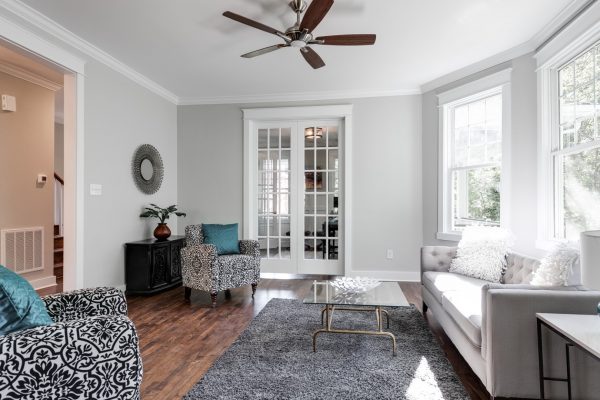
146,169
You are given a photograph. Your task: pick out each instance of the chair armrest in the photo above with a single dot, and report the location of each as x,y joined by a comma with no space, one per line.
250,248
198,267
509,333
86,303
93,358
436,258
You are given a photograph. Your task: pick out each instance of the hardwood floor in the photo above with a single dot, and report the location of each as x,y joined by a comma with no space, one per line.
180,341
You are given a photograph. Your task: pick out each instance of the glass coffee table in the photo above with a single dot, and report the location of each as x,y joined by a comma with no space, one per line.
387,294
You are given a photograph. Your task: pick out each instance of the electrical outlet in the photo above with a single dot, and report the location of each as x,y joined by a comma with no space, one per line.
390,254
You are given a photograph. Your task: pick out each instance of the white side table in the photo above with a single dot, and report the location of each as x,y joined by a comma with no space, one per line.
581,331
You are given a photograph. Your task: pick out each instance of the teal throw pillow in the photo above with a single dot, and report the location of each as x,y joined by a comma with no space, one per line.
20,306
224,237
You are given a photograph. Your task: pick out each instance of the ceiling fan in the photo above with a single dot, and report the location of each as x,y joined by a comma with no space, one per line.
300,35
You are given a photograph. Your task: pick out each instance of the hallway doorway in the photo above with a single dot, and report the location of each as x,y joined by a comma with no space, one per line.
34,61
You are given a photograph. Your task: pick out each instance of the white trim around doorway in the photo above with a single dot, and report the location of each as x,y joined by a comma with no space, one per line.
74,69
254,116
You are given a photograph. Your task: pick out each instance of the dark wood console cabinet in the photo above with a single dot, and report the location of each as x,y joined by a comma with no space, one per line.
152,266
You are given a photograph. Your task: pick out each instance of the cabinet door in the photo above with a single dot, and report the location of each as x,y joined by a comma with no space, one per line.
176,260
160,265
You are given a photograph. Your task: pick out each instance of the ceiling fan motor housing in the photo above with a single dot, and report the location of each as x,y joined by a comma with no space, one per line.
299,6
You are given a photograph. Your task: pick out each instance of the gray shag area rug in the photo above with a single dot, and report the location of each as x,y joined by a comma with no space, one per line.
273,359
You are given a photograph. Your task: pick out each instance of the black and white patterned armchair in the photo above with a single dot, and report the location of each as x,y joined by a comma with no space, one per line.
90,352
203,269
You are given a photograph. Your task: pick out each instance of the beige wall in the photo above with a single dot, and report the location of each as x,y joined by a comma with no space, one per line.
26,150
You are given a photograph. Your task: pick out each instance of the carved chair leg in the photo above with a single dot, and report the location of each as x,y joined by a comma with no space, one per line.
187,293
227,294
213,298
254,285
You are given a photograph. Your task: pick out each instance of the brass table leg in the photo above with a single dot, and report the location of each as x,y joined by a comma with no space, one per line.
328,310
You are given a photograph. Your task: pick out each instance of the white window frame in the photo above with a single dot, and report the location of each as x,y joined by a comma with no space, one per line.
566,47
499,82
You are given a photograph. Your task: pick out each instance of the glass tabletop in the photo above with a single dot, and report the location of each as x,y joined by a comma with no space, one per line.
386,294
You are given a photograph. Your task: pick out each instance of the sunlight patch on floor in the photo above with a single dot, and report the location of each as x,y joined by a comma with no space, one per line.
424,384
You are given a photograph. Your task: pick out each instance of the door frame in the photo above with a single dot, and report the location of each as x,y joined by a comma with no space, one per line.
254,116
73,68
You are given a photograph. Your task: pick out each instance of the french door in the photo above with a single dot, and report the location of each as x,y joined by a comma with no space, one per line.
299,204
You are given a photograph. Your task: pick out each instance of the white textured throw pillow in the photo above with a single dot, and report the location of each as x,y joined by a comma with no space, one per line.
559,268
482,253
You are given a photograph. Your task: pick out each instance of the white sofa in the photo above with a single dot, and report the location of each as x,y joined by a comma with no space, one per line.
493,326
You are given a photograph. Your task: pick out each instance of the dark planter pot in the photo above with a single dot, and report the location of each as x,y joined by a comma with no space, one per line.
162,232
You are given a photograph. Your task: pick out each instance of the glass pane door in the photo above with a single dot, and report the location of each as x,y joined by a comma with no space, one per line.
274,203
321,191
299,203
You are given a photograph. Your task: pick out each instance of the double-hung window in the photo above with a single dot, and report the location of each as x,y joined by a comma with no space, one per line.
473,133
575,146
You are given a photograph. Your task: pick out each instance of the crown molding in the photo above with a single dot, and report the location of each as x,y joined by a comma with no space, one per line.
479,66
558,22
528,47
300,96
29,76
56,30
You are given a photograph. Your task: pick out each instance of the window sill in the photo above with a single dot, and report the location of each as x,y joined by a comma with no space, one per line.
449,236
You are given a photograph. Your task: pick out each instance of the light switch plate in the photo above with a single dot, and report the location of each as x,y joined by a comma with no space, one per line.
95,189
9,103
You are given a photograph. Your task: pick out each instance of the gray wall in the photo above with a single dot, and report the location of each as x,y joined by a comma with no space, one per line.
119,116
26,150
387,204
523,179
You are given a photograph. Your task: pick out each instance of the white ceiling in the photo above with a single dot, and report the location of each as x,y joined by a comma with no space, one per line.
190,49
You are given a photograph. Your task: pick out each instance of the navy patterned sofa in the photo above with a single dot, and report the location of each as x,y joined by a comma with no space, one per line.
90,352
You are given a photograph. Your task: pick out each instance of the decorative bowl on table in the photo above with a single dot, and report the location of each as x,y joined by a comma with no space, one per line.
355,285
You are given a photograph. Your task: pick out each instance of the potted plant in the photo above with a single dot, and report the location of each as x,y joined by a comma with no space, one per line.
162,231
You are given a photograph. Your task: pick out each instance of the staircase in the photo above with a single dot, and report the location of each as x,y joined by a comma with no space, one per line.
58,255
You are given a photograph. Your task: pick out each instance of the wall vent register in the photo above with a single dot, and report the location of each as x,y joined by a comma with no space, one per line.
22,250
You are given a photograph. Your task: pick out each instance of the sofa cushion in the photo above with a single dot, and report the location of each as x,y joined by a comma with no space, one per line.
482,253
439,283
465,309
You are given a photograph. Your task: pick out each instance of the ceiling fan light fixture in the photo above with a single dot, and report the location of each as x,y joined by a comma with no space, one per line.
299,44
312,133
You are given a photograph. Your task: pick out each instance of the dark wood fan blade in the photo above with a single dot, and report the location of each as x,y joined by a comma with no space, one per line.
312,57
315,13
348,40
264,51
252,23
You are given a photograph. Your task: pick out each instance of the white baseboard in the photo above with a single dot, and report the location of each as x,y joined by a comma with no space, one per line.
43,282
399,276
